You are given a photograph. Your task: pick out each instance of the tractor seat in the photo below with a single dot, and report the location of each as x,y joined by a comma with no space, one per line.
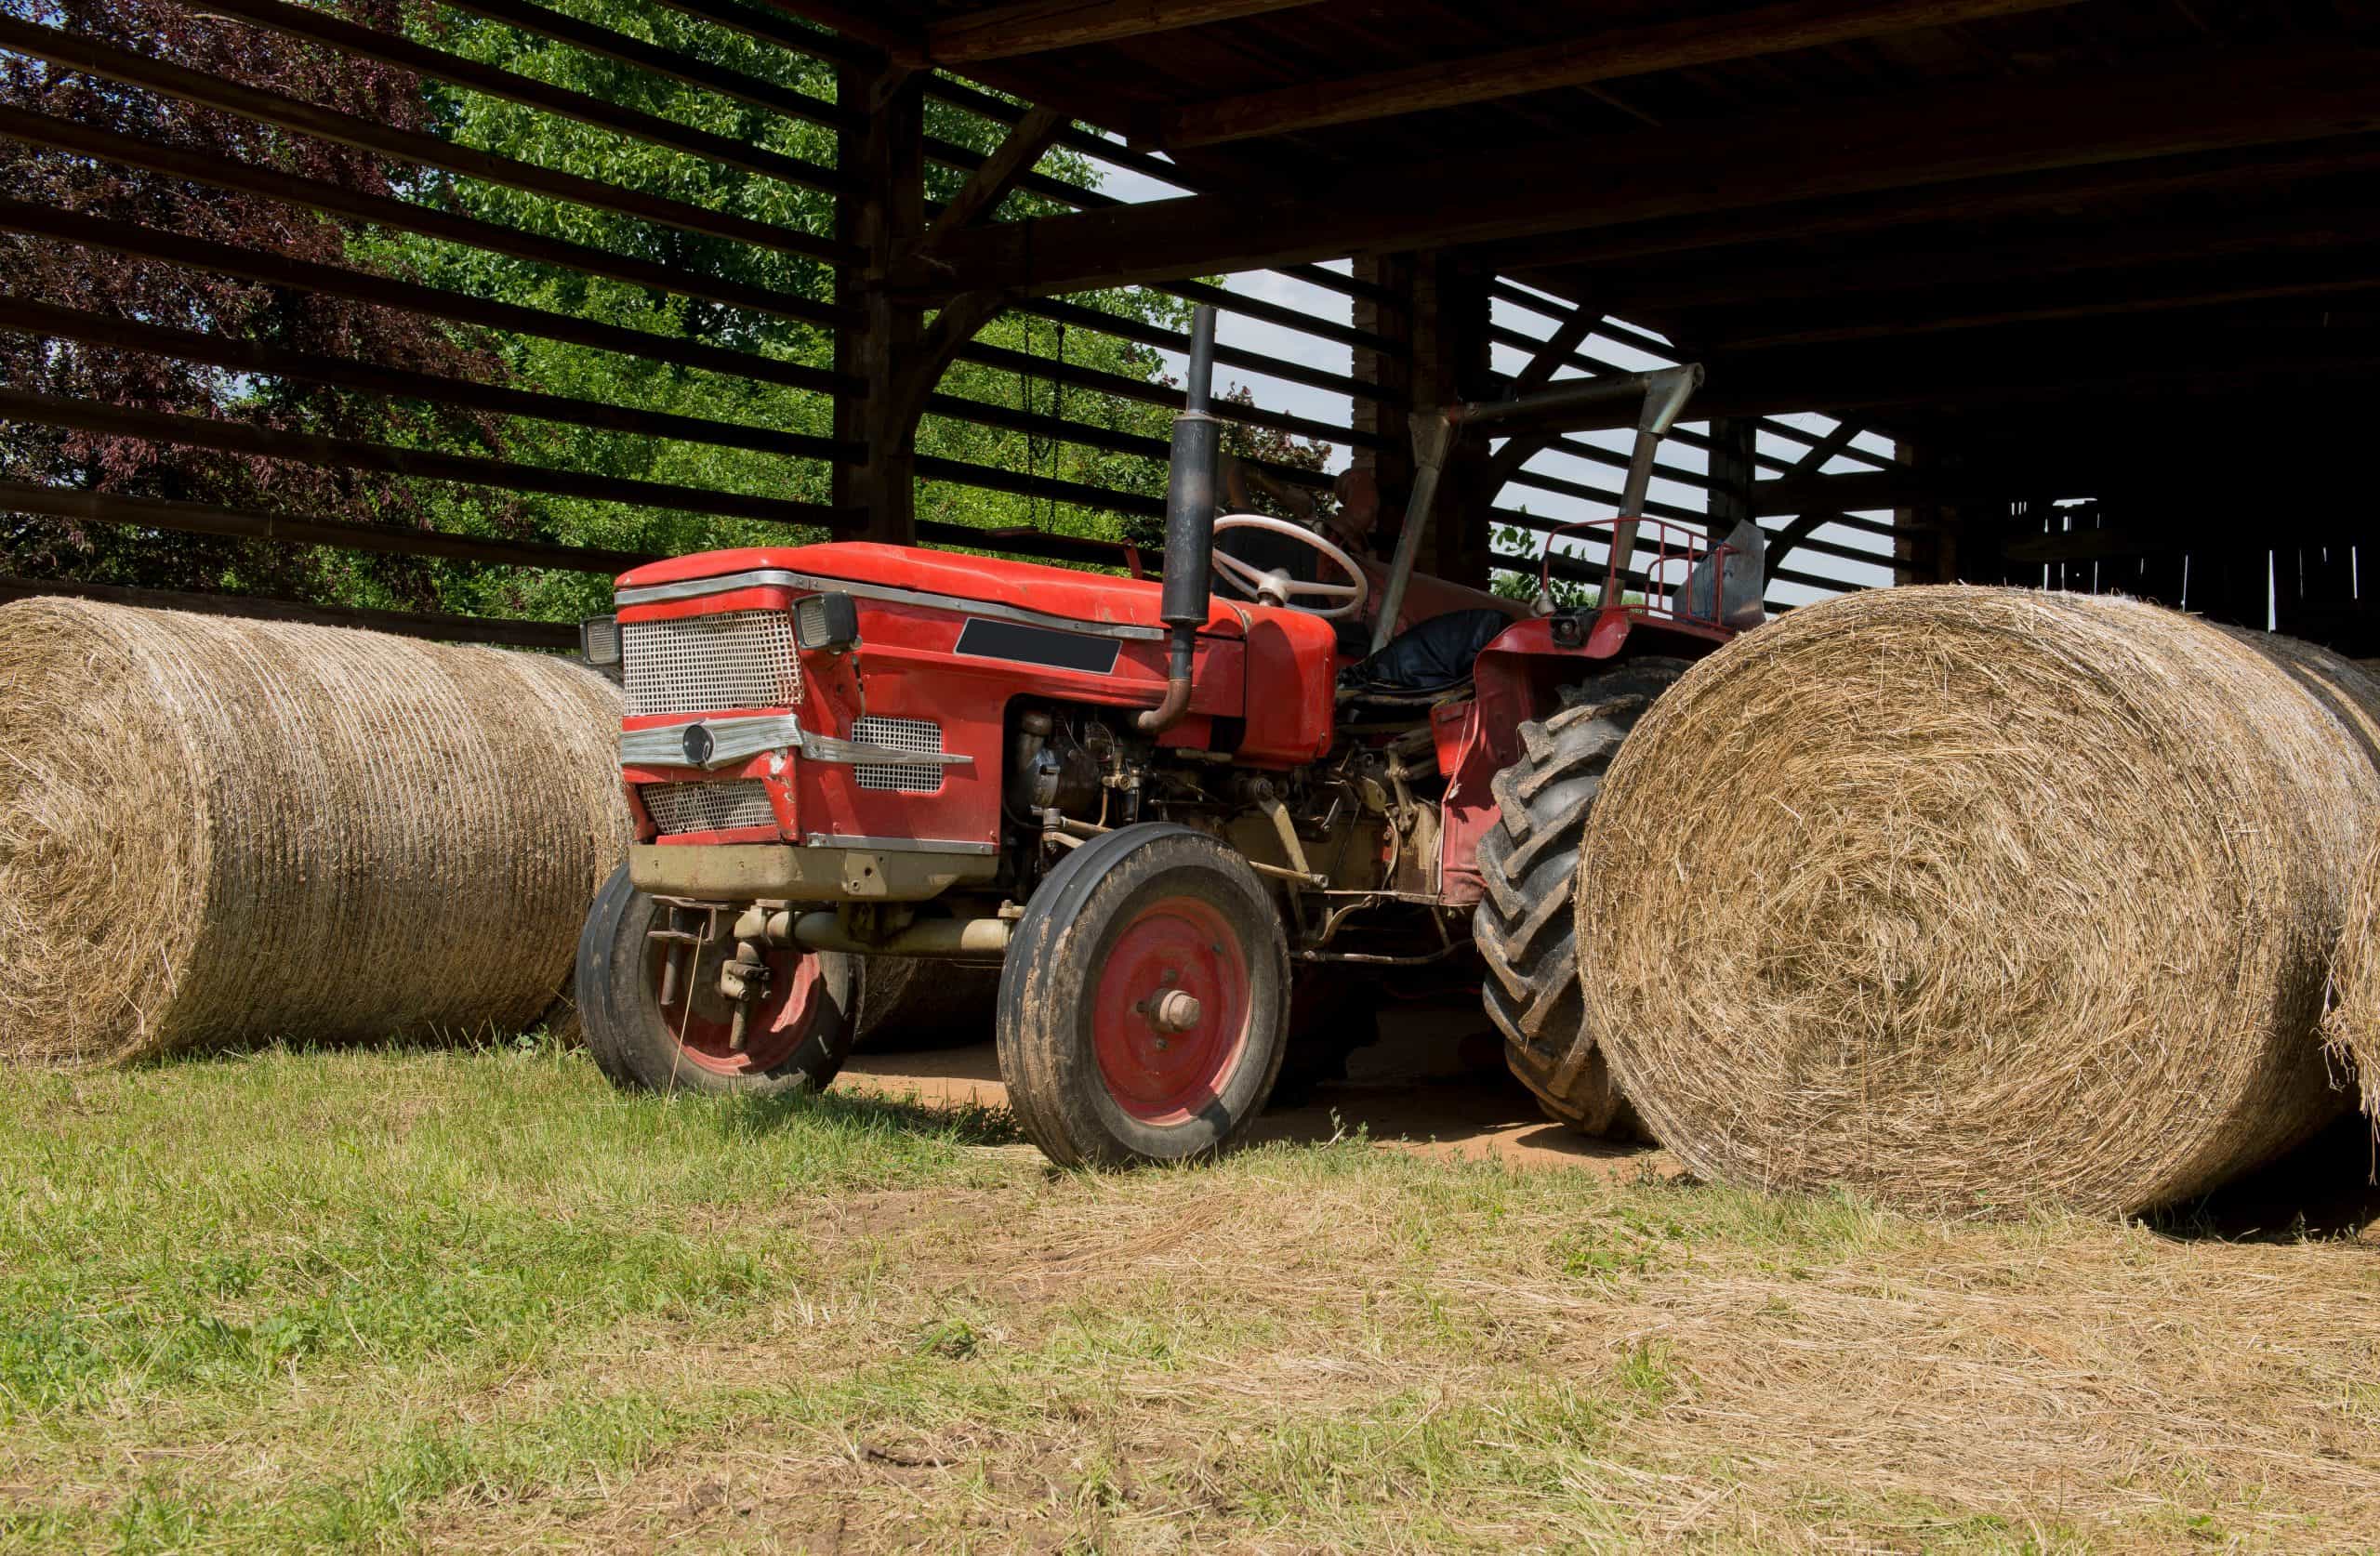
1425,661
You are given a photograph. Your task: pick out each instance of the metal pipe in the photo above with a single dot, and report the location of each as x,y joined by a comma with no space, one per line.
1433,436
1665,395
957,939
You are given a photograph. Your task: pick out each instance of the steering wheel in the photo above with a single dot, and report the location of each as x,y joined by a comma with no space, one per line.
1276,587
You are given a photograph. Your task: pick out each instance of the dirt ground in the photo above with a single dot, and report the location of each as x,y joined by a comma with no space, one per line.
1435,1086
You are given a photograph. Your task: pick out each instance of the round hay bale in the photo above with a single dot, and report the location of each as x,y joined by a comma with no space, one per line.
217,831
2353,1025
1970,898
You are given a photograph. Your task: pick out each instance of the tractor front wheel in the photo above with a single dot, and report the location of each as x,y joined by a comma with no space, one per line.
1143,1004
651,1028
1526,927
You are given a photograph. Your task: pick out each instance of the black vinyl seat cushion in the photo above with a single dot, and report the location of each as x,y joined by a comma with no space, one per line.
1429,656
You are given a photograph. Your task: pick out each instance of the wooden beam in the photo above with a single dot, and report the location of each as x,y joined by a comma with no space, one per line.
872,23
1610,54
883,215
2340,272
1039,26
2203,101
992,180
1970,200
1956,258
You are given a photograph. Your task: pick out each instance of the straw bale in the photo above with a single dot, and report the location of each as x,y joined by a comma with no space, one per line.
2353,1025
217,831
1967,898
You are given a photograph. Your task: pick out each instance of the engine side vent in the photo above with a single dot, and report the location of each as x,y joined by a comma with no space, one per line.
722,804
737,659
901,735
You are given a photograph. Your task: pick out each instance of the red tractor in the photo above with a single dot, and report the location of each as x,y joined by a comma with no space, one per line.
1187,828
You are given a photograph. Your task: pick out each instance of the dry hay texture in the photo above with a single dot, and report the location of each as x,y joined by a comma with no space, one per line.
2353,1025
1974,898
217,831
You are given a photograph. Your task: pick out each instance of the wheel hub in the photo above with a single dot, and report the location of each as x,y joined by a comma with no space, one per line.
1170,1011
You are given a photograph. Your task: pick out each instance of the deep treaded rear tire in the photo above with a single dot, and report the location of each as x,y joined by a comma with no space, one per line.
1524,927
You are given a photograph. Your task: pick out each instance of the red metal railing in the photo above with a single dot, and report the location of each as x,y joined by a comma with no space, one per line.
1665,556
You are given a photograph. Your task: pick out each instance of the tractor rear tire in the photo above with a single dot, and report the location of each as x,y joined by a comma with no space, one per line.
1144,1001
1525,925
797,1037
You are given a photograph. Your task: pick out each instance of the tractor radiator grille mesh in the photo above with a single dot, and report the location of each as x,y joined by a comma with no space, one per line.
705,664
716,806
901,735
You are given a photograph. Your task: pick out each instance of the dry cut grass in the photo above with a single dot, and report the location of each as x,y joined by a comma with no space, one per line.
475,1302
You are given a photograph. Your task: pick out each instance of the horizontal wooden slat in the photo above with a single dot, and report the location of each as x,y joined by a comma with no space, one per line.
306,448
185,517
91,57
355,42
253,357
404,215
305,275
1157,394
605,42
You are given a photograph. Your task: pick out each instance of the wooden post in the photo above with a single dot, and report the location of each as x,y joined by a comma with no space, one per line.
1451,363
1392,372
879,337
1734,439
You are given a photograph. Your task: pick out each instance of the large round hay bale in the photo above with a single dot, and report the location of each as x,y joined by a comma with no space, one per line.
2353,1025
217,831
1968,898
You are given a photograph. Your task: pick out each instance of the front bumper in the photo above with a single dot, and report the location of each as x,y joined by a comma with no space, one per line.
889,870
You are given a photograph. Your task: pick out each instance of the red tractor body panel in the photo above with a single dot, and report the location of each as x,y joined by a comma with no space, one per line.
1262,679
1518,678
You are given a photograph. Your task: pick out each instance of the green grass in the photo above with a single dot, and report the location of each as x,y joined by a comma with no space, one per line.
407,1299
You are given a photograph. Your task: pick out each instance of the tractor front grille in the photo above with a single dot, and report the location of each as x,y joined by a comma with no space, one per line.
722,804
737,659
901,735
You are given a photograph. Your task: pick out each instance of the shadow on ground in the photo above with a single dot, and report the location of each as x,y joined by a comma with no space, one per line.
2323,1189
1435,1085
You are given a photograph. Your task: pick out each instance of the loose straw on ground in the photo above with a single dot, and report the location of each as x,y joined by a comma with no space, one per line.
217,831
1968,898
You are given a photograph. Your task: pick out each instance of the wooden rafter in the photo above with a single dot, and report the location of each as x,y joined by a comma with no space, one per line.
2206,101
1611,54
1782,545
1566,338
990,183
1039,26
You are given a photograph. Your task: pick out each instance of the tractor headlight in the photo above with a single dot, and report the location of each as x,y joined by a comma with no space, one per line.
826,623
599,641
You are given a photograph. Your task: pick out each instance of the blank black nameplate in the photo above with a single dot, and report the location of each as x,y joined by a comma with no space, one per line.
985,639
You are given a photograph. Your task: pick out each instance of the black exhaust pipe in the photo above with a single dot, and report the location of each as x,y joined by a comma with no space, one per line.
1189,523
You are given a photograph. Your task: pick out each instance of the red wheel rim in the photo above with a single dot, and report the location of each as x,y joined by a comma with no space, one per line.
701,1019
1163,1058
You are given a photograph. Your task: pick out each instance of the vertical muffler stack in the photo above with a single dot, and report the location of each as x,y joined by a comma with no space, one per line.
1189,523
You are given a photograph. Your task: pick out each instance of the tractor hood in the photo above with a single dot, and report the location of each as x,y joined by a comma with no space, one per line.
1029,586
